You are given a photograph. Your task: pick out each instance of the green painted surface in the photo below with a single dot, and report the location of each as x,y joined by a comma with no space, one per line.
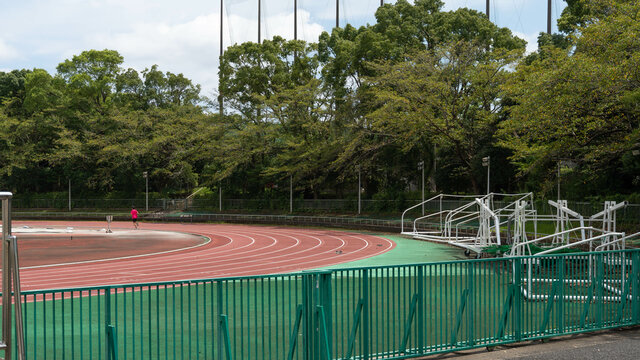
408,251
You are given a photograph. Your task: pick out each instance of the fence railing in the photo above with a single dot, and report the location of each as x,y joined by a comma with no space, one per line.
630,213
387,312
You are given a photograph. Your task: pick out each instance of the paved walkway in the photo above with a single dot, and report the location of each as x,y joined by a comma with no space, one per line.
619,344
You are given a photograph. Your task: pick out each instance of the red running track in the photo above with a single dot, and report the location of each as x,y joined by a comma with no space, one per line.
234,250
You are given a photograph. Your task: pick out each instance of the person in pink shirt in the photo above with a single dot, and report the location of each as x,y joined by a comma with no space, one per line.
134,216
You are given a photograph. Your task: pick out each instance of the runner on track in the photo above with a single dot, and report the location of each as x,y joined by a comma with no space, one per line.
134,217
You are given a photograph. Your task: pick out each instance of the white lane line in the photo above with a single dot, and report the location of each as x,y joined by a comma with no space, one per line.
182,259
288,235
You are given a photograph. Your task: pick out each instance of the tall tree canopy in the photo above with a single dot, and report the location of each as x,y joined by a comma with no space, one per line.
580,104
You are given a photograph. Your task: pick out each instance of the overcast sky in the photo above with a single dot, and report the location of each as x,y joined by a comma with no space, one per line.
183,36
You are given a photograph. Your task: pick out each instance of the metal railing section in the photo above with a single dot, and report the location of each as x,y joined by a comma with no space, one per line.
10,286
389,312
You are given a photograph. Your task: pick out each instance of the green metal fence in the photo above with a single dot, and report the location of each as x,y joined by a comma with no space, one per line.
390,312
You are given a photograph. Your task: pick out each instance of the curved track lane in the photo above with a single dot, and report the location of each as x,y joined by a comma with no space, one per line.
234,250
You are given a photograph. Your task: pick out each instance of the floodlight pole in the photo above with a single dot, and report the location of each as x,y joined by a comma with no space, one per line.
290,194
220,98
69,194
549,17
337,13
487,11
220,195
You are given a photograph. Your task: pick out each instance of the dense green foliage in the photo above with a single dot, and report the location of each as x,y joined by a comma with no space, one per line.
421,84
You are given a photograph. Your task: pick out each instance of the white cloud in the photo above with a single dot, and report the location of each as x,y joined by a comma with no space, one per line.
192,47
7,52
184,37
531,39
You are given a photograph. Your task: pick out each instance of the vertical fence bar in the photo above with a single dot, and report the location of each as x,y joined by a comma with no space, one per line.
109,345
366,330
517,298
635,283
471,303
324,300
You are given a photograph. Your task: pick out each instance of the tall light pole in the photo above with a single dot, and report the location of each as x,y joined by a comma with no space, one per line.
359,190
146,186
486,161
549,17
421,167
69,194
487,12
290,194
337,13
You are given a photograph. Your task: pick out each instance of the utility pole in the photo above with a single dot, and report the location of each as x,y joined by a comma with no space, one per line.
295,19
259,20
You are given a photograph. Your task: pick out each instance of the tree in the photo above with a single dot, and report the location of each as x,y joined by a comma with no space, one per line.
580,104
449,95
92,77
268,85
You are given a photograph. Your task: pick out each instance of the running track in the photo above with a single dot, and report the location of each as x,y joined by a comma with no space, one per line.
234,250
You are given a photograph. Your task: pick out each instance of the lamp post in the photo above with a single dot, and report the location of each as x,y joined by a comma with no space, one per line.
421,167
146,180
359,190
486,161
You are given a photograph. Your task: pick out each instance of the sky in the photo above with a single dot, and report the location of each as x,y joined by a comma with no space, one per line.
184,36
